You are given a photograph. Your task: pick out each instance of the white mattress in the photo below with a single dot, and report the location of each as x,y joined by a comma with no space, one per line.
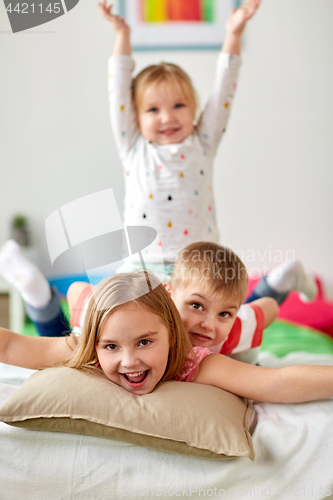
293,445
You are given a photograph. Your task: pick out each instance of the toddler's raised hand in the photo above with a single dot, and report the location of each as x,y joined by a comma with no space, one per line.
238,18
117,22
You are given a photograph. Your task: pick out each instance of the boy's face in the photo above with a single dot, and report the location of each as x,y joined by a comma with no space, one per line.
164,116
208,318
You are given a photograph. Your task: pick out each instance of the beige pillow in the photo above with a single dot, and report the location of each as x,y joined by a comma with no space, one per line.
177,417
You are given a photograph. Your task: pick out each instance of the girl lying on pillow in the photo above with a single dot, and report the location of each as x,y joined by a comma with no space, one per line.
133,333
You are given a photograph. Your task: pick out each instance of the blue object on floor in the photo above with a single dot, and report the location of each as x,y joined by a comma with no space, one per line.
64,282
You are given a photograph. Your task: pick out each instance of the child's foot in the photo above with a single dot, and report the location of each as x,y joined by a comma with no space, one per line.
292,276
24,275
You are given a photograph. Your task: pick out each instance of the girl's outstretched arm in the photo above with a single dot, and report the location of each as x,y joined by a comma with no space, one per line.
122,44
235,26
290,384
32,352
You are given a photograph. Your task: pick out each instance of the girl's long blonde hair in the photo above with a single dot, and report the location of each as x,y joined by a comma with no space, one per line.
113,293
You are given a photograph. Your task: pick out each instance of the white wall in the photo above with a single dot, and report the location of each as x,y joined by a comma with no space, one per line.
274,170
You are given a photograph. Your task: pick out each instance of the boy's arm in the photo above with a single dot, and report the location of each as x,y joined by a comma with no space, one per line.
32,352
247,331
213,121
269,307
121,66
291,384
267,313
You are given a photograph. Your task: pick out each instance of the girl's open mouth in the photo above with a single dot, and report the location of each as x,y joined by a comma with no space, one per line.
136,379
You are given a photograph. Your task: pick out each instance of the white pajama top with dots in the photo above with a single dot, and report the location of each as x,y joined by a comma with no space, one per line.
169,187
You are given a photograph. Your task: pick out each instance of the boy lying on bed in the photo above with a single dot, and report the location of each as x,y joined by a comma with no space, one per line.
134,333
238,334
43,305
208,286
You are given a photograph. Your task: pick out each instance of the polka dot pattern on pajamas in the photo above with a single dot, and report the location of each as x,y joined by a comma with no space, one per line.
169,187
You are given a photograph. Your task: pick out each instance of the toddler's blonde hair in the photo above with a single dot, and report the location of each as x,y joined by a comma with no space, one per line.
217,269
163,72
117,291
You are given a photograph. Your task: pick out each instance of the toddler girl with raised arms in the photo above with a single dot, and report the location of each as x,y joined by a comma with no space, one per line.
136,337
167,153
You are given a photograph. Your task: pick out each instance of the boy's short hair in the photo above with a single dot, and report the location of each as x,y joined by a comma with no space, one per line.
217,268
163,72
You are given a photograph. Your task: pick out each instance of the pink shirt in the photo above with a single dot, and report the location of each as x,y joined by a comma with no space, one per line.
190,367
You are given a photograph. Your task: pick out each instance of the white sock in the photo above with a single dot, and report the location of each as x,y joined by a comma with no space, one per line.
292,276
24,275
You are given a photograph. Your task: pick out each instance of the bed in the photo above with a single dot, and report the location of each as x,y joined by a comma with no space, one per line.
293,446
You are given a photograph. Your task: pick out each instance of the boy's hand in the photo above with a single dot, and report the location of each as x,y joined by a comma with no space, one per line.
238,18
117,22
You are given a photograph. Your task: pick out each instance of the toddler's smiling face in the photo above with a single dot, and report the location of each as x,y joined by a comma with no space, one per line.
165,115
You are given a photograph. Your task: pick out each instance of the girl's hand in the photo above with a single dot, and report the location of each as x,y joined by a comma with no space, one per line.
238,18
117,22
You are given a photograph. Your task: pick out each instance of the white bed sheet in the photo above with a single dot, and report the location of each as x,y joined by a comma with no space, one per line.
293,445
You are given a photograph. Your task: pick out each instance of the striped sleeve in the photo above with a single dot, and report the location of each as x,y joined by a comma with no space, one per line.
247,330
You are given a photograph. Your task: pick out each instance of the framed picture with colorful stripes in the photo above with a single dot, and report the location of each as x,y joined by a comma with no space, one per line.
176,24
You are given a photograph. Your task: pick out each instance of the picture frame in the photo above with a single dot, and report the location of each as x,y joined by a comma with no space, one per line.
176,24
